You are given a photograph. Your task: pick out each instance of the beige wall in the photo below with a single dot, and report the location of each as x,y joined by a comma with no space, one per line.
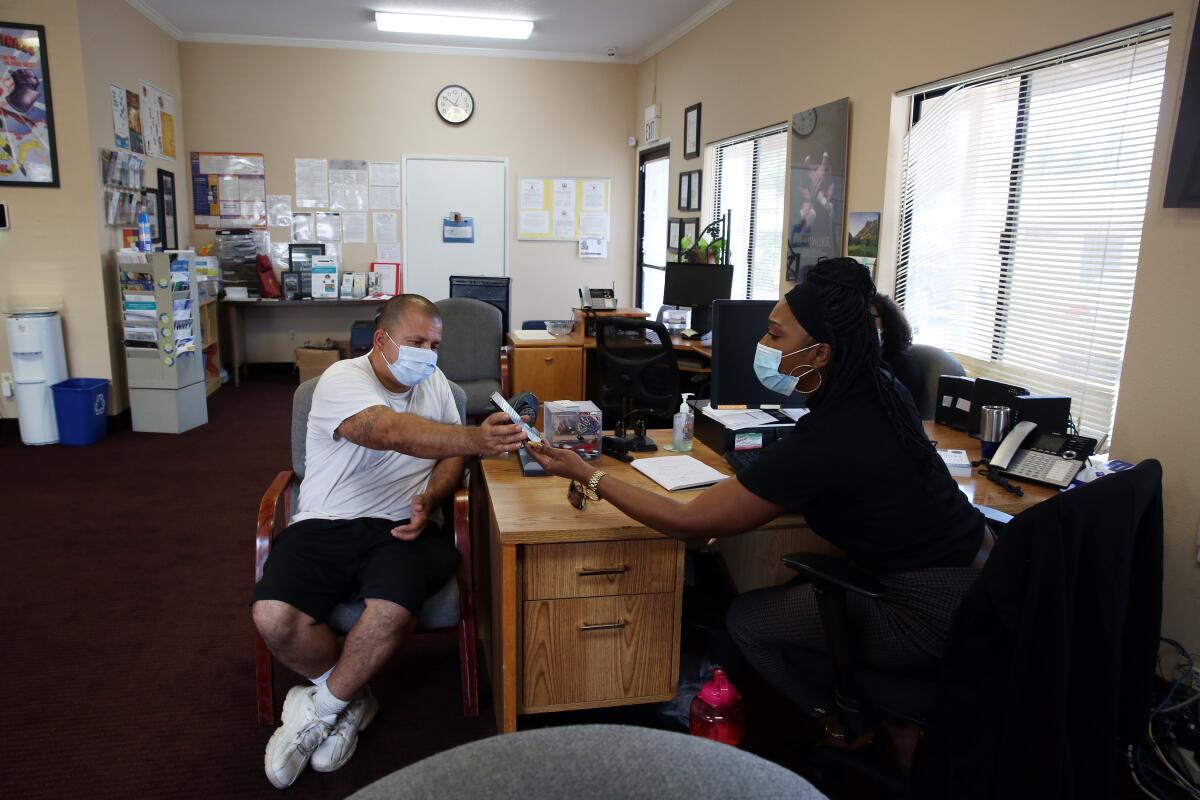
548,118
122,47
758,61
49,254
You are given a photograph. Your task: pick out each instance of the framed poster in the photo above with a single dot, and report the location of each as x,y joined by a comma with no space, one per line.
28,153
691,131
817,214
152,201
674,233
166,210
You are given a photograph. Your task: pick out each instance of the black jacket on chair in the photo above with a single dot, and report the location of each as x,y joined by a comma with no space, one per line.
1052,658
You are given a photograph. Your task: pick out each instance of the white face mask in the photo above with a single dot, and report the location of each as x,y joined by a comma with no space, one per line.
412,365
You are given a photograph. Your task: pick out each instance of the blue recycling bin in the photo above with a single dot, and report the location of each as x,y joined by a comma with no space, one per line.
81,406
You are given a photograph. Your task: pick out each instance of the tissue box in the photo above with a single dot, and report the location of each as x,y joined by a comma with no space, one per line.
574,424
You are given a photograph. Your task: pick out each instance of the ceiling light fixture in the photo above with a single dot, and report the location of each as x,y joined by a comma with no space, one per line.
481,27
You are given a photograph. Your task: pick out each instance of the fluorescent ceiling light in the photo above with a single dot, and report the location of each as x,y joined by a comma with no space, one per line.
481,27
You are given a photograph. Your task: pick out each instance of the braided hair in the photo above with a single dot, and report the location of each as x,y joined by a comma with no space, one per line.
846,292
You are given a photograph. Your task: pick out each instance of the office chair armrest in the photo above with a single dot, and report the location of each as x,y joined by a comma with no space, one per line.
505,380
462,543
996,519
833,573
274,514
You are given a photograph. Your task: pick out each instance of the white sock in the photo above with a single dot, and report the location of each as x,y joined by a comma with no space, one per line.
327,706
320,679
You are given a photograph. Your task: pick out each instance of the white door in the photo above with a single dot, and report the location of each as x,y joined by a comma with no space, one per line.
435,188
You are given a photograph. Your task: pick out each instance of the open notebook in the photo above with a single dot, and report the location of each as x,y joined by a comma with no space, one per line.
677,472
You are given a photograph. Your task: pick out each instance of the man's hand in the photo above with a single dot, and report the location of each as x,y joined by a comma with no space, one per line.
498,435
562,462
417,517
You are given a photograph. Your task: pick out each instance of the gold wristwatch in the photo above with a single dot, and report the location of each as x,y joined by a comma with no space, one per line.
590,488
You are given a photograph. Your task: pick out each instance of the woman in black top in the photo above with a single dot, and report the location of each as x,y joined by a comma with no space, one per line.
860,469
895,337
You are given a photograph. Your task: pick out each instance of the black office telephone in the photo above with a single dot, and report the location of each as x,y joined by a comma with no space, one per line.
1053,459
597,299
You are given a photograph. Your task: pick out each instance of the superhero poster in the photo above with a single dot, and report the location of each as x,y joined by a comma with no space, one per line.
27,151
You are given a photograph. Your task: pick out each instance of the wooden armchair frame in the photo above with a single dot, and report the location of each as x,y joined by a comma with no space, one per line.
274,514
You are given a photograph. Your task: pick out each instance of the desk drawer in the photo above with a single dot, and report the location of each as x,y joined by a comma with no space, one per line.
598,649
594,569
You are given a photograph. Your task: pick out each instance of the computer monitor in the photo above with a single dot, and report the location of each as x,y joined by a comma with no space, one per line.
697,286
737,327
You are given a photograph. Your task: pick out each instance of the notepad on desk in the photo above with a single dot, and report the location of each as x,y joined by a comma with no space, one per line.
675,473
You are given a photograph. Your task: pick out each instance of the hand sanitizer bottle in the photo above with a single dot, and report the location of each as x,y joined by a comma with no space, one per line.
684,425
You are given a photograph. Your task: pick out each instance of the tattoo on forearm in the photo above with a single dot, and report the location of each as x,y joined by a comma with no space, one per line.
363,423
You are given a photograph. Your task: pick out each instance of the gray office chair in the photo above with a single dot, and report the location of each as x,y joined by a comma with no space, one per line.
590,762
451,608
934,362
473,353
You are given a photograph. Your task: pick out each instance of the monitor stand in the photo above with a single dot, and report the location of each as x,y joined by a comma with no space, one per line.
701,321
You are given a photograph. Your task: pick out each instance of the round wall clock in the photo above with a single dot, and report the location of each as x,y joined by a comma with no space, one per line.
455,104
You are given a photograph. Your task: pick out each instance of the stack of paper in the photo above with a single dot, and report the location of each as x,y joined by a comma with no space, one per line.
957,461
674,473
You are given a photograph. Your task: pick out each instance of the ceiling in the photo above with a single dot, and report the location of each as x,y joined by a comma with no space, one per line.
576,30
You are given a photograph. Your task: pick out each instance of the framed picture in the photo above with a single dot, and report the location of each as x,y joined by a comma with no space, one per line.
150,197
689,190
691,131
166,210
689,228
674,233
29,156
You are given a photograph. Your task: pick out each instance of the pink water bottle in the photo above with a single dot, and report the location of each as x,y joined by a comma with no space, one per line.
718,711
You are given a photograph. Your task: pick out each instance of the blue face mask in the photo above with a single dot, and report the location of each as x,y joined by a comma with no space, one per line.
766,367
412,365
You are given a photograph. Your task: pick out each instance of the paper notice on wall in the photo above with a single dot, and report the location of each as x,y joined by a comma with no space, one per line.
594,223
383,227
354,227
334,249
564,223
387,252
253,189
329,226
533,193
158,121
279,255
312,183
593,247
385,197
229,188
533,222
120,115
304,230
385,173
348,185
593,196
279,210
564,196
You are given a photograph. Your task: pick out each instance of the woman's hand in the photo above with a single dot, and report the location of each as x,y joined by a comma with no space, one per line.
563,462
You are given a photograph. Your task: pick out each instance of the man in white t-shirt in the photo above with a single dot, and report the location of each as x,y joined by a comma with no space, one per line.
384,450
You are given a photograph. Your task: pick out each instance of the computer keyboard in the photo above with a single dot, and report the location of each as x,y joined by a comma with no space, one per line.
741,459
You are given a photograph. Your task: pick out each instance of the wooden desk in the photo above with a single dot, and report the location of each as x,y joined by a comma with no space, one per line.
554,571
754,558
237,331
557,368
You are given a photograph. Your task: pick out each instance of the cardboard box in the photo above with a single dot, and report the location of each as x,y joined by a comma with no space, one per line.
313,361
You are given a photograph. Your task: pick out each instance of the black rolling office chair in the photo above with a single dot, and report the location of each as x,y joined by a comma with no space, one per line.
638,371
1050,662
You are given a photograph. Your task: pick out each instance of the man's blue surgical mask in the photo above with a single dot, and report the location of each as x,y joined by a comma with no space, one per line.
412,365
766,367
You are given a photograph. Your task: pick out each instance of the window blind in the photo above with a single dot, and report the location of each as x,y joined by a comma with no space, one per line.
748,175
1021,217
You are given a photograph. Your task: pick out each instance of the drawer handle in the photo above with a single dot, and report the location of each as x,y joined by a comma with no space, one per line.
617,570
603,626
548,359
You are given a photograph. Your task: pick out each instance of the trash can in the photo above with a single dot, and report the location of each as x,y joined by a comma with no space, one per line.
81,406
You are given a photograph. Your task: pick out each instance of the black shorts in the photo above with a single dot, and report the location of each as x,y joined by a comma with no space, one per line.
317,563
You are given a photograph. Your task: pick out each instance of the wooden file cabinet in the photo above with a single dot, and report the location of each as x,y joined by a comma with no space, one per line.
551,373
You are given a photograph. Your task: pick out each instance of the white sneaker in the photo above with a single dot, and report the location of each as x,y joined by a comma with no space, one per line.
294,741
337,749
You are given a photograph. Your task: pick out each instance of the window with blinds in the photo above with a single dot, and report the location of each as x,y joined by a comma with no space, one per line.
1021,217
748,175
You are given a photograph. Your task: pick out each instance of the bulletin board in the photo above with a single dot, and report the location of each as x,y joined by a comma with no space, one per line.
563,209
229,190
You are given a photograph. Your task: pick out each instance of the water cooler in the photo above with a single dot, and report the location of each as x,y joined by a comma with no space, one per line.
35,345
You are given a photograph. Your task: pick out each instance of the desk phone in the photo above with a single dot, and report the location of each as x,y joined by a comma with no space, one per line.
597,299
1054,459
